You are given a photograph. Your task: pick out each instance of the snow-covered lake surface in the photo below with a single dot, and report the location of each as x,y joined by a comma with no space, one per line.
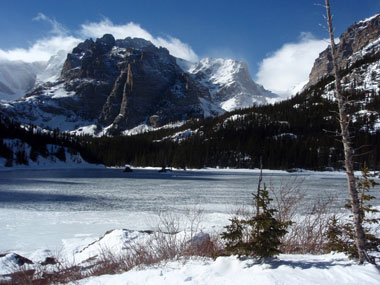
42,209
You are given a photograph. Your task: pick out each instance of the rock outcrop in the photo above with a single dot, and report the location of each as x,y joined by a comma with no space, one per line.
116,85
354,43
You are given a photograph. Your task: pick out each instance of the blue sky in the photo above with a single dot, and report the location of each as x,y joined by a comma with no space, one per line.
246,30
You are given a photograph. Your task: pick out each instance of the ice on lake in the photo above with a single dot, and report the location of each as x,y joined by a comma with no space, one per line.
50,208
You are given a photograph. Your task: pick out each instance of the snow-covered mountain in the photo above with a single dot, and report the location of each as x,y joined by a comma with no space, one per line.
358,45
358,53
229,83
18,78
52,69
115,85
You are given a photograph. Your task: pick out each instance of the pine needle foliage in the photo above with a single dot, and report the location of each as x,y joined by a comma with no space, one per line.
258,236
340,234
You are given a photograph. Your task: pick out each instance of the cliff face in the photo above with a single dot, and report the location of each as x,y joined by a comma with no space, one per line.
358,40
359,62
115,85
152,88
143,81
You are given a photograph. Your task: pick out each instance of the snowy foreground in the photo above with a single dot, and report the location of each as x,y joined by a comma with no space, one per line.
287,269
70,229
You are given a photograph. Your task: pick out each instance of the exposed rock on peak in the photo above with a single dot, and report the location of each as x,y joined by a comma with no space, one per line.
119,84
357,40
359,61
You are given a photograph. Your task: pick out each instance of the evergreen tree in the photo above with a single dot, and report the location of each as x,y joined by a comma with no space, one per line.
21,157
61,154
258,236
341,235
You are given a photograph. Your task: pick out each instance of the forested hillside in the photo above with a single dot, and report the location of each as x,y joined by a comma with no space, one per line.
298,133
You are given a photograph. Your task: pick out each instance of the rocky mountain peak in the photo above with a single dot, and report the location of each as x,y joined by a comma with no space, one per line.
107,41
117,84
358,54
230,83
357,39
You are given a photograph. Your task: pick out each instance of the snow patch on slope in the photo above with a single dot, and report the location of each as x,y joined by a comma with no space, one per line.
18,77
229,83
144,128
72,159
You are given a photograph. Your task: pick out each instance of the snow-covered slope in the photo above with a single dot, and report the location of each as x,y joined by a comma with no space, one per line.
287,269
18,77
229,83
333,268
358,54
86,89
55,157
52,68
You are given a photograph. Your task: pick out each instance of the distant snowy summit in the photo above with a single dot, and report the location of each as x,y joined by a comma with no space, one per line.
109,86
18,78
229,83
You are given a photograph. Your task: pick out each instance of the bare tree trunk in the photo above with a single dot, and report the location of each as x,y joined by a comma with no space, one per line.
259,186
344,120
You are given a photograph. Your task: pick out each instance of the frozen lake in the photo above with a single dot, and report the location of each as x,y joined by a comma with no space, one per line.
40,208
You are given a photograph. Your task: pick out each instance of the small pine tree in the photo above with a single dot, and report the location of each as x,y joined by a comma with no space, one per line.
341,236
33,154
61,154
9,162
258,236
21,157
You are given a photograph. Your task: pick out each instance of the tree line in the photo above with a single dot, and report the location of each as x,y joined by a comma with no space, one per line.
301,132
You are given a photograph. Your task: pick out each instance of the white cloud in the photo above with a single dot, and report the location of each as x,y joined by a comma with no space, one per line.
61,39
176,48
96,30
290,66
41,50
174,45
57,28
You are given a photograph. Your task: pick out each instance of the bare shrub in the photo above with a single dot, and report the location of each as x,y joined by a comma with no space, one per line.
288,198
310,219
180,236
176,236
40,274
307,234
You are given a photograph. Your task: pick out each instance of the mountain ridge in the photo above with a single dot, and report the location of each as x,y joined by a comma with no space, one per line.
300,132
95,87
359,39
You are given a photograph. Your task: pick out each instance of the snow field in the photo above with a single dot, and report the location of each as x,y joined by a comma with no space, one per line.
287,269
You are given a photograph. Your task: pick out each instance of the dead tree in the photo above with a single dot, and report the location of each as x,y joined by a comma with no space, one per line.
344,121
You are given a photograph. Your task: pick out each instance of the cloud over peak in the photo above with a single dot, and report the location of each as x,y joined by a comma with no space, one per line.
176,47
60,38
290,65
